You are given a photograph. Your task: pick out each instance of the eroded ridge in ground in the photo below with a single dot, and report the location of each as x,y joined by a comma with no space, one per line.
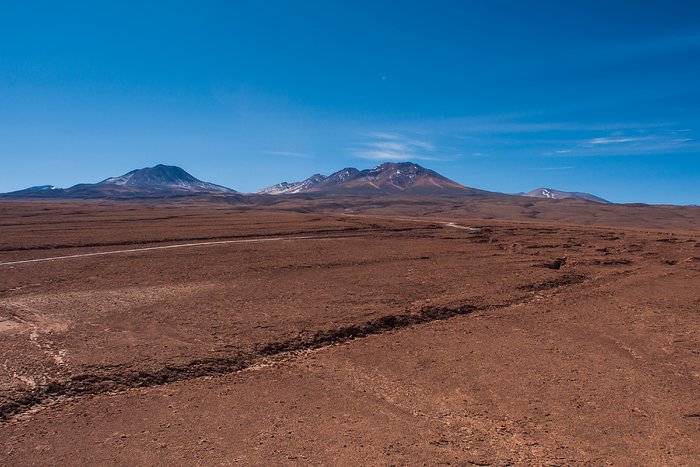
114,381
91,384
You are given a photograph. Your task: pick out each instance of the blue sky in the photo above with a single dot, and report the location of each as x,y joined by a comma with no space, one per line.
594,96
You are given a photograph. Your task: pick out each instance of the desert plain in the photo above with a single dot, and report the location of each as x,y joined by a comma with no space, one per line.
349,331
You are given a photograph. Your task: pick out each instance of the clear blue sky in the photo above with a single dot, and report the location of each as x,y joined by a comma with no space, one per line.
596,96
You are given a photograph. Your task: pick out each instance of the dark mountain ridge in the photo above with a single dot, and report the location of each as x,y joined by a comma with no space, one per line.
159,181
387,178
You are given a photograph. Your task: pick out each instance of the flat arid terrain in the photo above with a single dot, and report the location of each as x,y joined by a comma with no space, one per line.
349,331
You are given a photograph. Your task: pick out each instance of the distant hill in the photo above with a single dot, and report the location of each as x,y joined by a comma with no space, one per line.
294,187
159,181
556,194
390,178
387,178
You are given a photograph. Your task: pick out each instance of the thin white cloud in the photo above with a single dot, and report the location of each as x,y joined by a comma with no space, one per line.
620,145
656,145
384,135
556,168
391,156
498,136
467,128
394,147
618,140
285,153
421,144
389,146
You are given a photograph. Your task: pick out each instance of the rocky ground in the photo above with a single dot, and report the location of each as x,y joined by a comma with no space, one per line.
218,334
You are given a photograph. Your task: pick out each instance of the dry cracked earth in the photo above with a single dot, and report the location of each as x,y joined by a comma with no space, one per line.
211,334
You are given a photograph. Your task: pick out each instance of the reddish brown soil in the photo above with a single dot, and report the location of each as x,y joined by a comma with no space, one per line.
348,334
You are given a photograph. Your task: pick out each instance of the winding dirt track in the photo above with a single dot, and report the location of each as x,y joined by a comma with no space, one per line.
375,340
198,244
154,248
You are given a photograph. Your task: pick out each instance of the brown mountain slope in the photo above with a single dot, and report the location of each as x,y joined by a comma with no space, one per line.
387,178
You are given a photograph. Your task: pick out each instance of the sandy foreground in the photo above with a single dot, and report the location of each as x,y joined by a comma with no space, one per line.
212,334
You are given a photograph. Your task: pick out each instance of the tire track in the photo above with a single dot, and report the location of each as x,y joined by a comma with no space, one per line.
169,247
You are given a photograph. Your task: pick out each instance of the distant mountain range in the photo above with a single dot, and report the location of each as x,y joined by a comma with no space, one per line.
158,181
387,178
164,181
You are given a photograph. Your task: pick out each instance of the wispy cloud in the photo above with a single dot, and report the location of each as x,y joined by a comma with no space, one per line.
384,135
511,136
488,125
619,145
399,139
556,168
394,147
618,140
285,153
633,141
391,156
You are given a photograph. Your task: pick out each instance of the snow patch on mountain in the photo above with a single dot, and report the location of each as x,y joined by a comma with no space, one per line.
550,193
